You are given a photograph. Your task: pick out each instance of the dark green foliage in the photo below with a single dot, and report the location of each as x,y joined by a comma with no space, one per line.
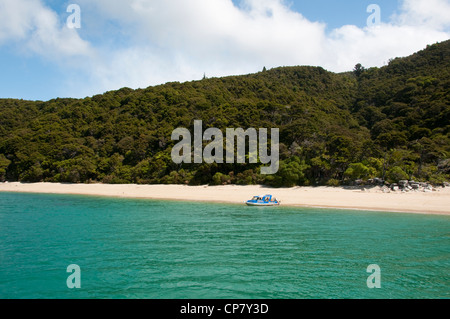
358,171
4,163
390,122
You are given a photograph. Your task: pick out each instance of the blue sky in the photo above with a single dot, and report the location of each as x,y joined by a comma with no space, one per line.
139,43
338,13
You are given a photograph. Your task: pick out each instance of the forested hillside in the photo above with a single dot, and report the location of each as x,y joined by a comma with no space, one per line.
391,122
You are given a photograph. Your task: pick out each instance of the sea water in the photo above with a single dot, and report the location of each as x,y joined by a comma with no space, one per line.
127,248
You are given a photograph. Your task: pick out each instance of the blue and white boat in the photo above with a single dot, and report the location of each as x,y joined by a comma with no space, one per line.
266,200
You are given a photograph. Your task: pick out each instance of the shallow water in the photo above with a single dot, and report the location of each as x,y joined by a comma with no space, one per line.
129,248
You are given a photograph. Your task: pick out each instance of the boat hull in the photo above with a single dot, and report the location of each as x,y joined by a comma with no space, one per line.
262,204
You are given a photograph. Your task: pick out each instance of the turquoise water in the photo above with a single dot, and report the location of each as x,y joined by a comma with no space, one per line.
175,250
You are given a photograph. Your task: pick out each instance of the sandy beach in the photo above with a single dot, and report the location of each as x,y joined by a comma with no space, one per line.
436,202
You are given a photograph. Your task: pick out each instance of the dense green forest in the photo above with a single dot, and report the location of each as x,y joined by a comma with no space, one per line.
391,122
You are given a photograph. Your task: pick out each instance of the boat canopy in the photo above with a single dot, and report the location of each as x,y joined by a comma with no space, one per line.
265,198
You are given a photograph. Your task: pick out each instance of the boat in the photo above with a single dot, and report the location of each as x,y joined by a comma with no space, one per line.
266,200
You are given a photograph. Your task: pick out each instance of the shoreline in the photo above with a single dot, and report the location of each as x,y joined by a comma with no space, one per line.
369,199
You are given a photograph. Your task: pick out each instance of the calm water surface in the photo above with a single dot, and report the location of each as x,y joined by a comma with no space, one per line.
175,250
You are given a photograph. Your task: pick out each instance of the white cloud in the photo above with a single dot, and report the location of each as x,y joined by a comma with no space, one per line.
146,42
13,25
374,46
36,28
420,22
426,13
177,40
